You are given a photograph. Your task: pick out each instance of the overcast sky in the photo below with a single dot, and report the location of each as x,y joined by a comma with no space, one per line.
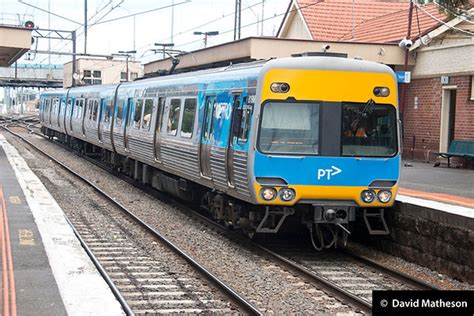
150,28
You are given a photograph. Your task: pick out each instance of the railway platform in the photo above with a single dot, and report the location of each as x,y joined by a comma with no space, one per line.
447,190
45,271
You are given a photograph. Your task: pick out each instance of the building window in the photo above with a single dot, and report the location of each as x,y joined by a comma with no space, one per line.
132,76
123,76
92,77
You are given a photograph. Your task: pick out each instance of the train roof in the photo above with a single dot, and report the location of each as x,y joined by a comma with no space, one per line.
328,63
246,70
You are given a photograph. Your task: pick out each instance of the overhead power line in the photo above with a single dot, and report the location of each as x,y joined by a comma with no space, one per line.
49,12
142,12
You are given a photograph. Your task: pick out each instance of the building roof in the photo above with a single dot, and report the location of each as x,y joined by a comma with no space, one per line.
392,27
331,20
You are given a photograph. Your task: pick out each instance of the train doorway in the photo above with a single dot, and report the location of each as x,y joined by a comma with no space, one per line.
448,117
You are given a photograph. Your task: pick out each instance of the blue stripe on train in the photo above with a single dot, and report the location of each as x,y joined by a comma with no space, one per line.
313,170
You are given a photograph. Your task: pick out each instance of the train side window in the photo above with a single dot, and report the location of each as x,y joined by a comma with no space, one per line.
108,111
61,106
159,114
213,112
90,105
55,106
129,111
173,116
82,104
245,125
187,124
237,118
118,118
138,113
95,110
147,114
76,109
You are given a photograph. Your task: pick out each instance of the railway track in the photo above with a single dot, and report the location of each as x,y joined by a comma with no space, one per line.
142,283
345,275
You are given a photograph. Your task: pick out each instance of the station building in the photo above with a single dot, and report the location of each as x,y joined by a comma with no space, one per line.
99,71
437,105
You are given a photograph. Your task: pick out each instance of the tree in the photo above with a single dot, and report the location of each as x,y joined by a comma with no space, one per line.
453,7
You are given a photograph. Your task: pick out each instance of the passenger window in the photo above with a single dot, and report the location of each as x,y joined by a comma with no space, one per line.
147,114
213,119
245,125
118,118
61,105
159,114
129,111
236,119
76,109
95,110
187,125
80,108
173,116
90,109
138,113
56,106
108,111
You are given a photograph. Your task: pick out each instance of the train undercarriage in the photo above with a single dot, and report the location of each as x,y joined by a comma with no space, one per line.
328,223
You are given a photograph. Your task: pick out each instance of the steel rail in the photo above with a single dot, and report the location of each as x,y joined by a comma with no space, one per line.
231,293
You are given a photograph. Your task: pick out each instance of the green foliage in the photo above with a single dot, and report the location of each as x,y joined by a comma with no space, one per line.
452,7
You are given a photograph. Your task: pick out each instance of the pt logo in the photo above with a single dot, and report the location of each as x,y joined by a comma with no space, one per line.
328,173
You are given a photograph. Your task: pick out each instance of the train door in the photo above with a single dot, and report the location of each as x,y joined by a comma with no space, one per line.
159,122
236,119
128,114
206,136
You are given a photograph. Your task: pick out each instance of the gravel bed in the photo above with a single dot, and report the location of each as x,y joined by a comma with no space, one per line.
423,273
271,288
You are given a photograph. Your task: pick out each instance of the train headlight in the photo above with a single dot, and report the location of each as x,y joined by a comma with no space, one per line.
381,91
367,196
268,194
280,87
384,196
287,194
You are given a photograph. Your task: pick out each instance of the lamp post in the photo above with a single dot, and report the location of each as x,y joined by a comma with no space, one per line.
206,34
127,55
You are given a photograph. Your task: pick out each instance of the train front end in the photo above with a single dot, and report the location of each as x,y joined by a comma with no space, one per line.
326,145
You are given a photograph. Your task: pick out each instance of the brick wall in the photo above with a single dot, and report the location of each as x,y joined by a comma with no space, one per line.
422,125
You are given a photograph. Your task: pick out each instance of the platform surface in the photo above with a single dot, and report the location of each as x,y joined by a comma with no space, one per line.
441,187
45,270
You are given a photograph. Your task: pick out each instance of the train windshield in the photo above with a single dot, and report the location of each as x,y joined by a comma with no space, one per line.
288,127
369,129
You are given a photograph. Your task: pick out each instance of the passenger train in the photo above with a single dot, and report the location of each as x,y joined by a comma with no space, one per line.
311,141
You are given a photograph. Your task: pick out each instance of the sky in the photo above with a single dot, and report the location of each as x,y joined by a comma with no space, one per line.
140,33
